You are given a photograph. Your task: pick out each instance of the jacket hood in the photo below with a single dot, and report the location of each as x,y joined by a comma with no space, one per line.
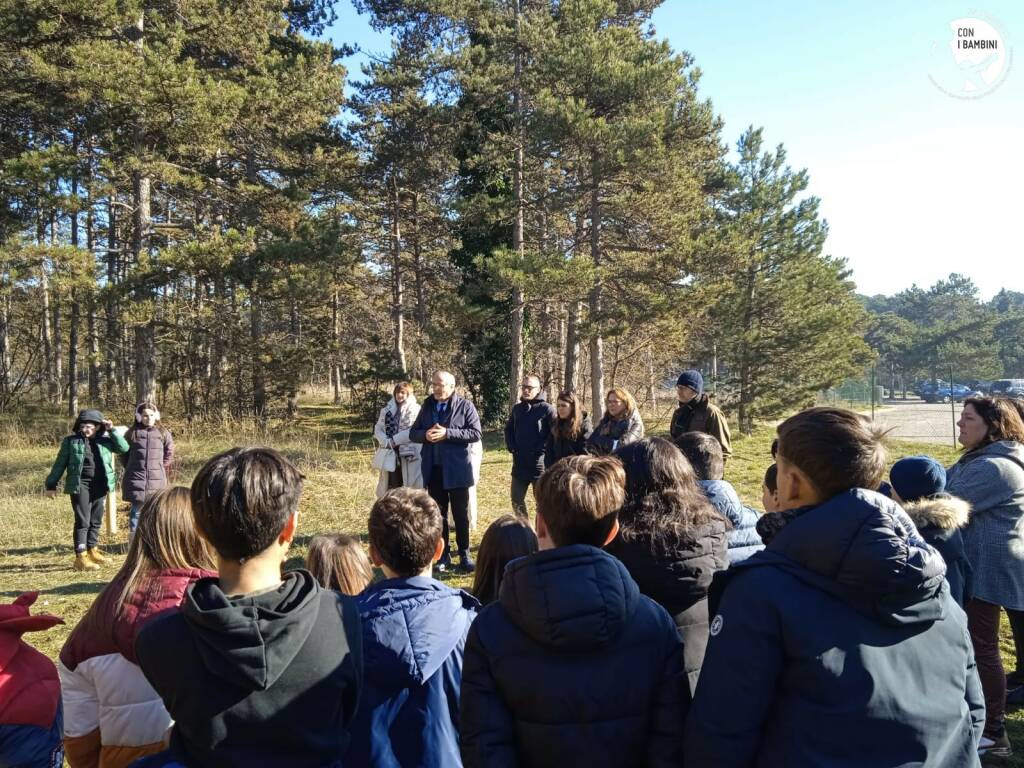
250,641
410,627
89,415
722,496
576,598
540,398
944,511
16,619
861,547
1007,449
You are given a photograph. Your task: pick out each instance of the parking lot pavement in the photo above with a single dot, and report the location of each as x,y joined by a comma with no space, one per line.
919,421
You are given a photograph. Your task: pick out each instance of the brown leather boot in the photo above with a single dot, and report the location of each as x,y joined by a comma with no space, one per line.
83,563
98,557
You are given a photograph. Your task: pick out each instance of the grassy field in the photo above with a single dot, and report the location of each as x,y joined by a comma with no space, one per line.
331,448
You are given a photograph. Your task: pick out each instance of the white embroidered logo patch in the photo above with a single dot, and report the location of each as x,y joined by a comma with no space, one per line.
716,625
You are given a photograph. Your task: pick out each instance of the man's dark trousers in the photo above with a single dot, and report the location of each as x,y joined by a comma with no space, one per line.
459,499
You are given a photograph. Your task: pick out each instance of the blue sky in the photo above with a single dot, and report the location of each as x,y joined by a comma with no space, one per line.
914,183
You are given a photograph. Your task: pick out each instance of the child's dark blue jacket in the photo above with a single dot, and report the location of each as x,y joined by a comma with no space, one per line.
838,645
414,633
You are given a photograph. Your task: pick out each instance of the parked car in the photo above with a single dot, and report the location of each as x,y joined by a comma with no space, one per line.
1007,388
942,392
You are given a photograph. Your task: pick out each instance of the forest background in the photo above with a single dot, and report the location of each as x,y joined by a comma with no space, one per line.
192,210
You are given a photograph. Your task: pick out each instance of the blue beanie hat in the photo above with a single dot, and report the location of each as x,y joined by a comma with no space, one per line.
916,477
691,379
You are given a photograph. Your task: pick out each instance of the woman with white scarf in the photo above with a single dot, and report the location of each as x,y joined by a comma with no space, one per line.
392,431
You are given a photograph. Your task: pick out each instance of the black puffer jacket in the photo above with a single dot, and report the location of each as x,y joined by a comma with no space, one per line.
678,579
837,645
526,434
572,666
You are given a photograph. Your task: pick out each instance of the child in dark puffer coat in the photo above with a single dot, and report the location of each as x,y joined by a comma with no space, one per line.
919,484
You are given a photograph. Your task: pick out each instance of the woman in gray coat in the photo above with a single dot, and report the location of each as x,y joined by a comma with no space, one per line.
990,476
150,452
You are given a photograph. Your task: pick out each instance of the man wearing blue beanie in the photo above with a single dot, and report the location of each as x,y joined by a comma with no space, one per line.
697,414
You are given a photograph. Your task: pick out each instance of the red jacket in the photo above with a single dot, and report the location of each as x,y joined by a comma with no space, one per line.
30,713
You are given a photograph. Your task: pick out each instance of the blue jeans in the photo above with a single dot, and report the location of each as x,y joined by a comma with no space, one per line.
133,516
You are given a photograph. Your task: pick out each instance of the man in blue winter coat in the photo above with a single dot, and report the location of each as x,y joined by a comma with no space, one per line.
414,633
526,434
447,424
839,643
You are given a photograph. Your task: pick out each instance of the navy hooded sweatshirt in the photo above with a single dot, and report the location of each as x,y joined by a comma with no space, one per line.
414,634
840,645
269,679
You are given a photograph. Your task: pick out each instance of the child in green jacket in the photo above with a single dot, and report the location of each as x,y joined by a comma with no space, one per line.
86,460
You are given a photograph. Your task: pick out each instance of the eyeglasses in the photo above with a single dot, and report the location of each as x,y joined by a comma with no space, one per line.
528,386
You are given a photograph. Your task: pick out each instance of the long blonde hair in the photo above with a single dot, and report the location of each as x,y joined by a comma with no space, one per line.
339,562
166,538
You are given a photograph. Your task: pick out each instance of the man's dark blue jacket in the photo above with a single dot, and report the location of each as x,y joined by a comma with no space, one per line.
838,645
526,434
463,424
414,635
572,666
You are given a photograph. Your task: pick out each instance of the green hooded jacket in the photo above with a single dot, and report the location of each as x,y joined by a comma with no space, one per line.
72,454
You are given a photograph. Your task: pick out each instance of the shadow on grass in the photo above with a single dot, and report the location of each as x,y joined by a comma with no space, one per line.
78,588
49,549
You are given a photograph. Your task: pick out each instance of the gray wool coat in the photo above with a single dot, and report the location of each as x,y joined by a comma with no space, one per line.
150,451
991,479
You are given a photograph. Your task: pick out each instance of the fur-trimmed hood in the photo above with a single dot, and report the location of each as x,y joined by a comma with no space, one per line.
942,511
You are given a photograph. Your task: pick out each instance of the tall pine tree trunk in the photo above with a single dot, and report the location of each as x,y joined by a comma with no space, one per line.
111,374
335,341
58,351
5,344
418,270
259,388
145,336
47,337
595,300
397,310
572,347
76,319
518,244
95,382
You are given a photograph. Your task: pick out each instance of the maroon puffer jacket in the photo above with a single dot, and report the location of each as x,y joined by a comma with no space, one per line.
150,451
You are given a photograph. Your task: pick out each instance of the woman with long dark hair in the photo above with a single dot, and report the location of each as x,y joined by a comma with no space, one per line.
990,476
569,430
671,539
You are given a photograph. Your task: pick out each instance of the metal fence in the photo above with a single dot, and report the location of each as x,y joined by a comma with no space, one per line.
920,411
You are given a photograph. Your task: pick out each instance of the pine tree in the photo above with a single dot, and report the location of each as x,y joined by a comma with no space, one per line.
787,321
